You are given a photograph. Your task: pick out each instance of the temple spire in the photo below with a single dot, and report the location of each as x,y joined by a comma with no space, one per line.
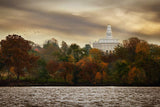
109,32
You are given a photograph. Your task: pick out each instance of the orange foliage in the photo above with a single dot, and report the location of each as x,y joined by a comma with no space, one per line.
88,70
15,52
136,75
131,75
142,47
67,69
104,75
98,77
104,65
83,61
12,70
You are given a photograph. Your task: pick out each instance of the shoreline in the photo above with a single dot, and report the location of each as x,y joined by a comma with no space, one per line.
19,83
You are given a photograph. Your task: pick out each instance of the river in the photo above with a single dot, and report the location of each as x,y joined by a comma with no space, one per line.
79,96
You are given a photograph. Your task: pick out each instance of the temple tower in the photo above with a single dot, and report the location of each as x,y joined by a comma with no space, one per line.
106,44
109,32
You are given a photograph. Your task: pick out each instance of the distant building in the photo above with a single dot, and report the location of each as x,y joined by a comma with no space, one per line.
106,44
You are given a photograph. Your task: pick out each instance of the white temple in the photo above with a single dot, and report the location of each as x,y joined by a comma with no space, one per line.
107,44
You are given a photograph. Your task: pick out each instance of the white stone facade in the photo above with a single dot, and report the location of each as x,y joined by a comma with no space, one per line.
107,44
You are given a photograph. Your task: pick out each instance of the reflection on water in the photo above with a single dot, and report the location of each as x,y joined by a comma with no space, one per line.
79,96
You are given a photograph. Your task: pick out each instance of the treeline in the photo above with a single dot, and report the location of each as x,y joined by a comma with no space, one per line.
134,62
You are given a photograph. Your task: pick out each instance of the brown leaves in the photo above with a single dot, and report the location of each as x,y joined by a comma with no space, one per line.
90,70
15,53
142,47
52,66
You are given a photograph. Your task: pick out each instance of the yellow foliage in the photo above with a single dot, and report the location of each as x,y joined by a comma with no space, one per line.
123,61
12,69
104,65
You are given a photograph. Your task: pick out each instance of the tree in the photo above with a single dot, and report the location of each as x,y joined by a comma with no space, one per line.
136,76
1,64
87,49
120,71
155,51
50,50
127,51
88,70
75,51
52,67
103,70
96,54
15,51
98,77
67,69
42,73
64,48
63,53
142,48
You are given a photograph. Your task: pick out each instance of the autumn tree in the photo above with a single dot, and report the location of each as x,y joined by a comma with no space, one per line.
136,76
103,71
88,70
127,49
98,77
52,67
67,69
96,54
1,64
15,51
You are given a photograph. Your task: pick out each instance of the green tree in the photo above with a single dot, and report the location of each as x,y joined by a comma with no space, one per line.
50,50
43,74
120,71
75,51
127,49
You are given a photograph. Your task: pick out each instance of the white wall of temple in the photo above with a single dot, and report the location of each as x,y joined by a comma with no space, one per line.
105,47
106,44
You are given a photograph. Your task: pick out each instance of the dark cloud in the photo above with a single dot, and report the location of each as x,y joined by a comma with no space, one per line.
14,4
22,13
62,22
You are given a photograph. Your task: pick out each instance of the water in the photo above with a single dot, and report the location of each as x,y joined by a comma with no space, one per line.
79,96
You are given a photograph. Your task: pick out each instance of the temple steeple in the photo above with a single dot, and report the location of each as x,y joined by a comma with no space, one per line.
109,32
108,43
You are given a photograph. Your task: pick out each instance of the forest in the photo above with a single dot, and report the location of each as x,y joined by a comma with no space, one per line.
134,62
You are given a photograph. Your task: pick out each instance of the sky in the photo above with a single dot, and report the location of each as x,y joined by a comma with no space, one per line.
80,21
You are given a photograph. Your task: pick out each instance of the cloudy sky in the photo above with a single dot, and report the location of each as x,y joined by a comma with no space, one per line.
80,21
